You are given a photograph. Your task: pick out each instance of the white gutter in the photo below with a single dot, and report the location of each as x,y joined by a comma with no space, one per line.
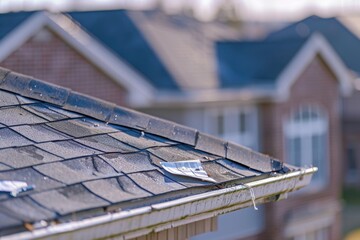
133,223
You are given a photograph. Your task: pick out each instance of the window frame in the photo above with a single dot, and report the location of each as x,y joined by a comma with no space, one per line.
319,127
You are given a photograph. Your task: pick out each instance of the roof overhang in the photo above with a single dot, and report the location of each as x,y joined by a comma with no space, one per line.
139,89
315,45
137,222
280,91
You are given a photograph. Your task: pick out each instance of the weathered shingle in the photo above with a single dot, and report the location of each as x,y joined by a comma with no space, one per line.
155,182
25,156
77,170
9,138
129,163
117,189
69,199
40,133
84,162
67,149
11,116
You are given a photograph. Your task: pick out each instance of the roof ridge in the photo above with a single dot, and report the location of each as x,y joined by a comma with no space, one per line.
67,99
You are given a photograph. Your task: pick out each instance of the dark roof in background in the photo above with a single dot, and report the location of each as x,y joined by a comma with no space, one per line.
344,42
118,33
186,45
243,64
86,157
9,21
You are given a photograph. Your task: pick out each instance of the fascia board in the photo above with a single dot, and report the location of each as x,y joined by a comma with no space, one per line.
158,217
317,44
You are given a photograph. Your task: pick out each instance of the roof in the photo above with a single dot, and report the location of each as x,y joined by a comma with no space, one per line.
126,40
10,21
255,63
94,163
344,42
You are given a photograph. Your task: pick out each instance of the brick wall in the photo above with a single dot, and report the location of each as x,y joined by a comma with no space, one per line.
47,57
316,85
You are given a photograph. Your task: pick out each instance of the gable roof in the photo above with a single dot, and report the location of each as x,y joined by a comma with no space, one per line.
343,41
95,167
253,63
126,40
276,64
140,91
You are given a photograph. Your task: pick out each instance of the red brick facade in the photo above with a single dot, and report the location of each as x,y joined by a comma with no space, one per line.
47,56
316,86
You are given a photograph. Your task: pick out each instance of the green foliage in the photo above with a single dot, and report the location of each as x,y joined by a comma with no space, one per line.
351,195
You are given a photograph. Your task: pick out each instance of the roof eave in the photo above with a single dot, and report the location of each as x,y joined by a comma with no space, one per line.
157,217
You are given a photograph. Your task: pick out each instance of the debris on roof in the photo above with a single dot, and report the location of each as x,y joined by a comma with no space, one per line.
14,187
98,168
191,168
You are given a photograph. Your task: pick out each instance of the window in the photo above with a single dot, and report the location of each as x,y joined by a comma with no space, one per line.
306,141
234,124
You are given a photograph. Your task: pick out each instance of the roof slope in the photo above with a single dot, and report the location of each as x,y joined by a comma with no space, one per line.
345,43
115,30
9,21
87,157
256,63
185,45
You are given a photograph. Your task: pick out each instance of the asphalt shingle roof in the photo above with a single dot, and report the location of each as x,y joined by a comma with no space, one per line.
116,30
344,42
244,63
85,156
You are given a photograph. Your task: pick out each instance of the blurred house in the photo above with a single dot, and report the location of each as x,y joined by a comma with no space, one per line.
283,95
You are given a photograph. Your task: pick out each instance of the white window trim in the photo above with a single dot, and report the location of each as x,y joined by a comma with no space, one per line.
319,126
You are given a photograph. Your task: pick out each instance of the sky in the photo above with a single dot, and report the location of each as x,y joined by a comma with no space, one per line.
261,10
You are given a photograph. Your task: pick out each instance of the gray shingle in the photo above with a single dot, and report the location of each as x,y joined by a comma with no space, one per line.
9,138
64,112
31,177
155,182
238,168
220,173
172,131
131,162
89,106
210,144
252,159
69,199
25,100
77,170
81,127
67,149
7,222
8,99
43,111
40,133
4,167
116,189
25,156
174,153
106,143
47,92
11,116
29,210
141,140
